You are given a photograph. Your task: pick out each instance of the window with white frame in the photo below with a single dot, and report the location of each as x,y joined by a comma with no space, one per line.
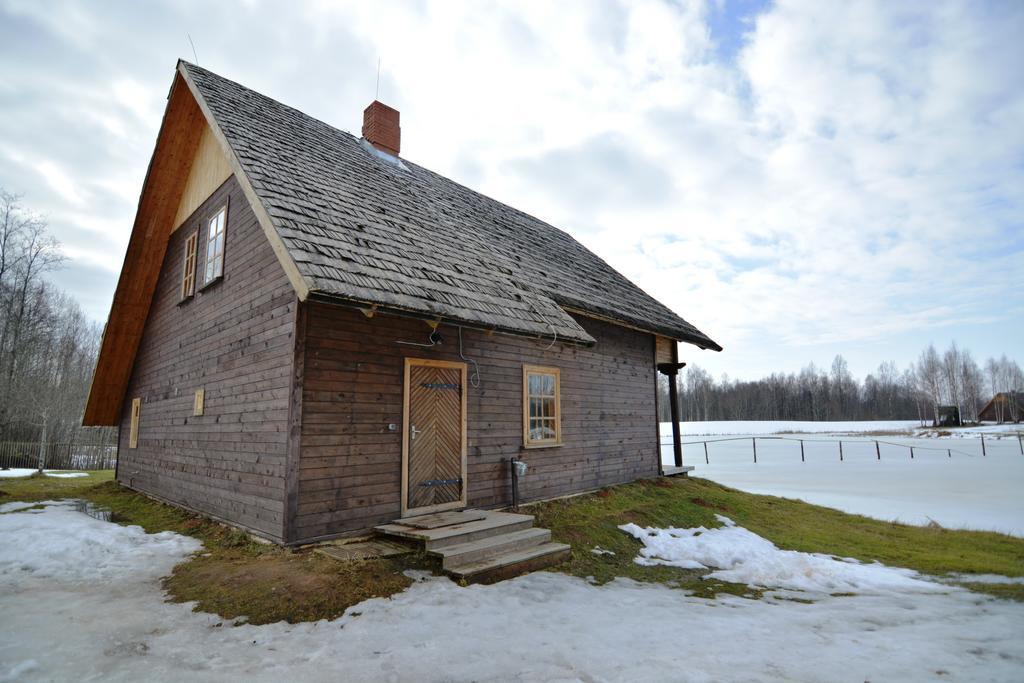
215,245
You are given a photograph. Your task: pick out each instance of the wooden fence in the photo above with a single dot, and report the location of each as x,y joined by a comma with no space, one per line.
58,456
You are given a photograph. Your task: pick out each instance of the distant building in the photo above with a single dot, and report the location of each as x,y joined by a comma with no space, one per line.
1007,406
948,416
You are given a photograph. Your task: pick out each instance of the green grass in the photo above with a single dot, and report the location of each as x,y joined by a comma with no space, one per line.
40,487
593,520
235,575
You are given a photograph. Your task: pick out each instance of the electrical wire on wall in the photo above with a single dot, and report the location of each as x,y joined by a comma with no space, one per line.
554,331
433,340
474,379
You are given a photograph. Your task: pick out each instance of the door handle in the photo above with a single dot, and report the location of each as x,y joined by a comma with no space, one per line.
413,432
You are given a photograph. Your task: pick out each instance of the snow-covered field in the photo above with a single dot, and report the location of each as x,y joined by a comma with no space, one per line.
780,426
19,472
967,490
765,427
81,601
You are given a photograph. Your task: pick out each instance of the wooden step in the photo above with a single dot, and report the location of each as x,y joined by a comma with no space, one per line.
509,564
475,551
439,519
494,524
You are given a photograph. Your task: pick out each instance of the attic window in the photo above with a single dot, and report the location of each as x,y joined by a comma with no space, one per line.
188,273
215,245
542,413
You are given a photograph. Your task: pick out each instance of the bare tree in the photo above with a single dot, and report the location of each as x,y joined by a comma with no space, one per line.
47,346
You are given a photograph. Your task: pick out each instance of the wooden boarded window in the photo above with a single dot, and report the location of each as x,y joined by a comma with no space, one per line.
188,273
215,245
542,414
133,433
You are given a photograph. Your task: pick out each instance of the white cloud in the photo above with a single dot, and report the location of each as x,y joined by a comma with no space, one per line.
849,177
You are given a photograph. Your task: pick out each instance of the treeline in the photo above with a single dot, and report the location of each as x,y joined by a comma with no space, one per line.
48,347
952,378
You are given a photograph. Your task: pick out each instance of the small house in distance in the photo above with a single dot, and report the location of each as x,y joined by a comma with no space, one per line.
312,335
948,416
1006,406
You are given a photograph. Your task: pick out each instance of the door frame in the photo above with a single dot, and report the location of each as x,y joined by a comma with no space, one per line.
461,503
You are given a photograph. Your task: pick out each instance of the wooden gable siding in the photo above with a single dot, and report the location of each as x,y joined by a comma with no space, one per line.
208,171
234,340
349,471
176,146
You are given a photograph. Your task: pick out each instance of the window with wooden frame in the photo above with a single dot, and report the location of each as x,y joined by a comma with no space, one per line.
215,245
133,433
188,272
542,412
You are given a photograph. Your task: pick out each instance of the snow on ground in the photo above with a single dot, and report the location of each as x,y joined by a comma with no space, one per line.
741,556
765,427
998,431
18,472
62,623
967,490
780,426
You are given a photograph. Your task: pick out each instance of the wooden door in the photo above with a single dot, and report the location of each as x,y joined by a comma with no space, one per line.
434,442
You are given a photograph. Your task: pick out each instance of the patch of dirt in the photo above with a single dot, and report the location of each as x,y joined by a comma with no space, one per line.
283,585
707,504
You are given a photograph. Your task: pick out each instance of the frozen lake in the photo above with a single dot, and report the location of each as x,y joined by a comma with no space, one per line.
956,489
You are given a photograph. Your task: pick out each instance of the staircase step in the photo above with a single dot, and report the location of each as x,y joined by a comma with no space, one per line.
494,524
484,548
439,519
507,565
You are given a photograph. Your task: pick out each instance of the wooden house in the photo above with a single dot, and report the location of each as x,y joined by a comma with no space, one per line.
1006,406
312,335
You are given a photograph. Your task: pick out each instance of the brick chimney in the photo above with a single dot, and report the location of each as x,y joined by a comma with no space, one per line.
381,129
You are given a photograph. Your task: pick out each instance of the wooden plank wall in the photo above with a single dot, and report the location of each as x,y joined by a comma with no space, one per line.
350,463
234,339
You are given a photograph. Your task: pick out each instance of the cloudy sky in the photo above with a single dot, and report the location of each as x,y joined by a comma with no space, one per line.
798,179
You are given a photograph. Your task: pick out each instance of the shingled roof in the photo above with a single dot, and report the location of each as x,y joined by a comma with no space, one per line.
363,228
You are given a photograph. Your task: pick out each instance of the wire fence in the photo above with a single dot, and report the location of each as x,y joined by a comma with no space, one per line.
911,449
58,456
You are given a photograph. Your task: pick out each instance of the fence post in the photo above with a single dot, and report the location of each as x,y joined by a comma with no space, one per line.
42,446
802,450
878,451
949,453
753,440
911,452
706,461
840,451
1020,443
983,445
